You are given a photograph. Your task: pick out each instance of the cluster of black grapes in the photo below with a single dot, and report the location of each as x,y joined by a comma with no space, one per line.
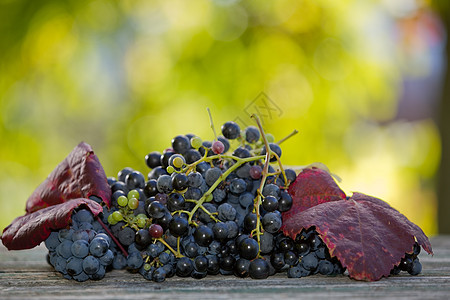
410,263
203,209
83,251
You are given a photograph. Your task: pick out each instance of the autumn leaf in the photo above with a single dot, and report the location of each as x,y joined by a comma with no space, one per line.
366,234
311,187
30,230
79,175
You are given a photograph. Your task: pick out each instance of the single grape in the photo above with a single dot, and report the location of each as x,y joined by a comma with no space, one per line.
270,203
91,265
74,266
65,234
80,248
153,159
212,175
98,247
192,156
155,210
230,130
258,269
184,267
238,186
252,134
117,216
203,235
107,258
218,147
164,184
135,260
159,275
277,260
248,248
175,202
310,261
241,267
180,181
325,267
227,262
195,179
133,203
272,190
416,268
64,249
196,142
226,212
220,231
135,180
178,226
126,236
255,172
143,237
181,144
52,241
285,202
270,138
271,222
122,201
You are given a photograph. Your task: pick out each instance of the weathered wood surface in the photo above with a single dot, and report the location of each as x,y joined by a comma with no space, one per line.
26,275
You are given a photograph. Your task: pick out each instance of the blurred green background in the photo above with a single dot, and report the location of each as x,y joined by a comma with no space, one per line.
360,80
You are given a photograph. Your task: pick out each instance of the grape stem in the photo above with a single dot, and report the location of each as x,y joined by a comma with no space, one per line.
239,162
265,172
212,123
112,236
176,253
287,137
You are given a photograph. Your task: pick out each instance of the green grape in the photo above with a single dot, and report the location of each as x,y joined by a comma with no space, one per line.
111,220
122,201
117,216
133,194
209,198
196,142
178,162
133,203
270,138
170,169
141,222
147,267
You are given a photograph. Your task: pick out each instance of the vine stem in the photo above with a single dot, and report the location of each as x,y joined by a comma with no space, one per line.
288,136
176,253
263,181
239,162
212,123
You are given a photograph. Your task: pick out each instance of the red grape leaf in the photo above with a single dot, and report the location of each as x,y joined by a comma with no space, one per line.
311,187
368,236
30,230
79,175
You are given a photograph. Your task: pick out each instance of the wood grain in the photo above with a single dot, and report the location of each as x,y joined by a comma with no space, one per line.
26,274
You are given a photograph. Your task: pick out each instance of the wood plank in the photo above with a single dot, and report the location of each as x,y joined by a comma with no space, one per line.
25,274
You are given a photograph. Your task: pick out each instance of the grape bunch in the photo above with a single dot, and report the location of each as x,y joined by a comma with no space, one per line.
204,208
410,263
83,251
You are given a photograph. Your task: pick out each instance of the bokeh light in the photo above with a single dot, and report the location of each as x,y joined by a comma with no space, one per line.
127,76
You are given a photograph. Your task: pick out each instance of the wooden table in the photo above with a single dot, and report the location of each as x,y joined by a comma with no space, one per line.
26,275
